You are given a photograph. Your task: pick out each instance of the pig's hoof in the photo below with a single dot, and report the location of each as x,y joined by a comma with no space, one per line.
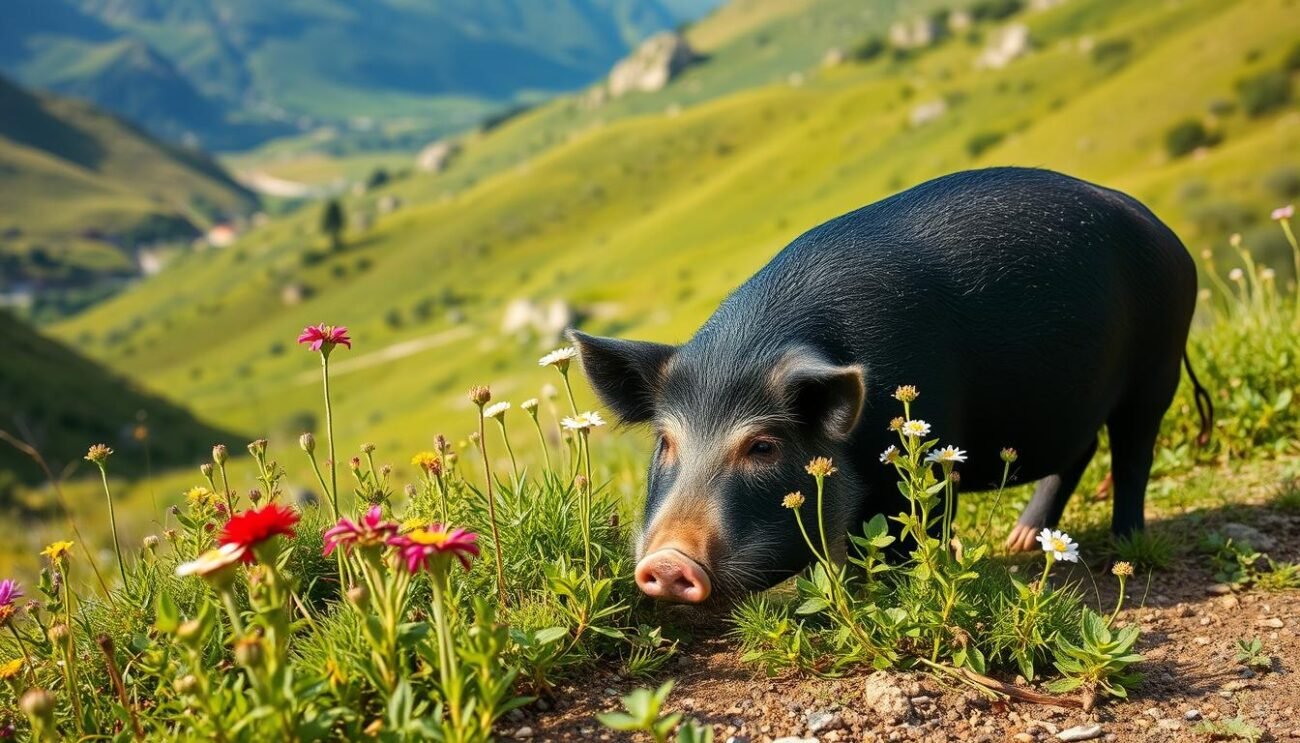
1022,538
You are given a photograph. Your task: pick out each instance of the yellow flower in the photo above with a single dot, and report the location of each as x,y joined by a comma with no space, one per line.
1122,569
425,460
11,669
57,550
905,393
820,467
199,496
793,500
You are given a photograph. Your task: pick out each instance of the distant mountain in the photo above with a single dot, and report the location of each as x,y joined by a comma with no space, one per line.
61,402
82,189
233,72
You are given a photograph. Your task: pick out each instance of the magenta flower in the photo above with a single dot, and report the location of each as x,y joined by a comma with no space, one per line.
1284,212
9,592
420,549
371,531
324,337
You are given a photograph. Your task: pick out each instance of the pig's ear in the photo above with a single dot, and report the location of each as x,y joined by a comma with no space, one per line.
626,375
825,395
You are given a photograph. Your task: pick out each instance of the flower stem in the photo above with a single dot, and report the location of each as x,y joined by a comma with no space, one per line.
514,468
225,489
492,511
447,669
1119,602
541,438
584,507
27,656
1047,568
329,434
112,524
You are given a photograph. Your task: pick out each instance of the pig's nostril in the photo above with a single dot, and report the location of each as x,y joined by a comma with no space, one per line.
672,576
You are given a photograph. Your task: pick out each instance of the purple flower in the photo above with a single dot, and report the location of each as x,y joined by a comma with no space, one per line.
371,531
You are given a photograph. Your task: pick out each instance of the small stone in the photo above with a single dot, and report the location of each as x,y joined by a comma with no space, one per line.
1023,738
1241,533
1169,724
542,705
1080,732
795,739
884,697
1219,589
825,720
736,739
1272,622
1192,715
524,732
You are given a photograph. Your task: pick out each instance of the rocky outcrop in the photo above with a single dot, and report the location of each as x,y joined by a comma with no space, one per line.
1007,44
652,66
436,156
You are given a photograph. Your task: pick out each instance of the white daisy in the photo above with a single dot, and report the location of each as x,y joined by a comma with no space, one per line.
946,454
1236,274
530,404
916,428
559,358
497,411
212,561
889,455
584,421
1059,545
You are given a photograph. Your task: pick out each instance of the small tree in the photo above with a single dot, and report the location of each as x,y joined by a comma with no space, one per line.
332,223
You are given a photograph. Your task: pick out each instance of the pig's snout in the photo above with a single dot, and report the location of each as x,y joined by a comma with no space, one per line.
669,575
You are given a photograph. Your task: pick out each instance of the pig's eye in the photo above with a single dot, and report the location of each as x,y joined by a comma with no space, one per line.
762,449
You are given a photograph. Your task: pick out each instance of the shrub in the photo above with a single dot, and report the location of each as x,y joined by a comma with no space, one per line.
1112,54
868,49
995,10
1283,182
1264,93
982,141
1187,136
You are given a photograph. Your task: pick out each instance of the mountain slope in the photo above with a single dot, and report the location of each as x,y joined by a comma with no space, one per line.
62,402
641,222
81,188
232,72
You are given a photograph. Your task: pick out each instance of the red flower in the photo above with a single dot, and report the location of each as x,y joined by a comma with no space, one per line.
256,525
324,337
372,530
418,548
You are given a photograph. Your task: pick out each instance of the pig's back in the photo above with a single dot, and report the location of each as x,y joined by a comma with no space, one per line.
1021,302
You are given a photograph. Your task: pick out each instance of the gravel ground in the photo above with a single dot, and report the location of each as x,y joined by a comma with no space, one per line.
1190,625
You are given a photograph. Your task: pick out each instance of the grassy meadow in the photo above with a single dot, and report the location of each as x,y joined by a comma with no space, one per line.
639,215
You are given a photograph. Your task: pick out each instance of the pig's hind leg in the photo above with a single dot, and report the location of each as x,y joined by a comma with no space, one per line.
1048,503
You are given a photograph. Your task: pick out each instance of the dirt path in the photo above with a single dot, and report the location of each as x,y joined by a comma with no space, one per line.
1189,624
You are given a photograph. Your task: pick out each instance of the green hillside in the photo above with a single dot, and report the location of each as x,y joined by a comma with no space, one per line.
60,402
641,216
82,189
233,74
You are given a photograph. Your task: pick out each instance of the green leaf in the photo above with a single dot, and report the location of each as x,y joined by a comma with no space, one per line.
812,606
550,635
1283,400
167,618
619,721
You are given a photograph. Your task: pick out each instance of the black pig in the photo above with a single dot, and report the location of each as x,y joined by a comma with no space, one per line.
1028,307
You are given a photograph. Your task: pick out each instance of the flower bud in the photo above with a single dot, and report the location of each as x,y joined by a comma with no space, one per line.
358,596
580,482
206,469
99,454
249,652
257,448
896,423
58,633
480,395
1010,455
793,500
410,490
530,405
190,632
307,442
385,470
170,535
473,438
367,448
441,444
174,510
220,454
355,464
38,704
1122,569
150,542
187,684
906,393
254,496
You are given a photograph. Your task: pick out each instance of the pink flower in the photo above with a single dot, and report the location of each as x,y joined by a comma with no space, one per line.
371,531
324,337
9,592
420,547
1284,212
